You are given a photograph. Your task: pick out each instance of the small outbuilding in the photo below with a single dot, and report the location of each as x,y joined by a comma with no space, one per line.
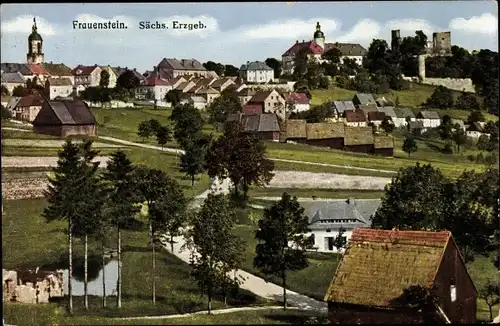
358,139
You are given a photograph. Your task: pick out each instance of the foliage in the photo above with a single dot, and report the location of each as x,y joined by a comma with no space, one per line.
475,116
445,129
20,91
163,135
441,98
127,80
333,55
467,101
227,102
276,65
387,125
145,130
483,142
282,241
490,293
340,241
188,123
6,115
231,71
239,156
5,90
410,145
173,96
218,68
459,138
216,250
192,161
104,81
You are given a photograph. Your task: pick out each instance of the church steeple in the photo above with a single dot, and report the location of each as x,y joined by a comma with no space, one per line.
35,44
319,37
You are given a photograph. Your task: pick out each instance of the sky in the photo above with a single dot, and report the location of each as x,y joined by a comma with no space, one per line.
234,33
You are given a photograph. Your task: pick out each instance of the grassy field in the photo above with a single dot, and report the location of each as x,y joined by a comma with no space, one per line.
25,244
318,193
287,166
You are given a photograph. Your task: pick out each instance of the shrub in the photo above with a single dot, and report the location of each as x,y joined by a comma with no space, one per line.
448,149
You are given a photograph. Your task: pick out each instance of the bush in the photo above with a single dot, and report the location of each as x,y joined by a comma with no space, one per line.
448,149
491,159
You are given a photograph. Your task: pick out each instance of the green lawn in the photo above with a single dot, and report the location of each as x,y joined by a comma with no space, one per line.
28,241
319,193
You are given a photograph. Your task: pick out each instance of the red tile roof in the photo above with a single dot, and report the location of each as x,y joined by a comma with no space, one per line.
153,81
315,48
83,70
354,116
423,238
38,69
31,100
296,98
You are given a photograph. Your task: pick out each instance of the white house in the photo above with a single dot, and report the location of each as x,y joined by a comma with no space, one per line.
430,119
11,80
401,115
355,119
296,102
153,88
327,217
199,102
474,130
58,87
256,72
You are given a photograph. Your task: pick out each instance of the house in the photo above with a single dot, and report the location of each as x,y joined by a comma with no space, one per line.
383,145
358,139
270,101
171,68
39,72
328,134
199,102
458,122
252,108
186,86
10,103
113,77
474,130
393,261
28,107
65,118
327,217
246,95
295,131
208,93
11,80
317,47
430,119
265,126
366,109
87,76
383,102
364,99
58,87
59,70
355,119
256,72
175,82
221,84
118,71
340,107
417,127
153,88
376,117
388,111
296,102
401,115
22,68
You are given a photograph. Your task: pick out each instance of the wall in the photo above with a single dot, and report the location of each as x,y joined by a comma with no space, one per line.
321,243
288,87
89,130
458,84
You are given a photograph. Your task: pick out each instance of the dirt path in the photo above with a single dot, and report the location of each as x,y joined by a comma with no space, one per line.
334,165
16,129
40,161
158,148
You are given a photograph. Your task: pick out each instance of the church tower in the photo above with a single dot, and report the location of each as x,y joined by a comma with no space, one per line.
35,50
319,37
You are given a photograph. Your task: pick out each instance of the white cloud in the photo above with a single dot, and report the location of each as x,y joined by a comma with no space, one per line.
23,24
410,26
288,29
485,24
364,31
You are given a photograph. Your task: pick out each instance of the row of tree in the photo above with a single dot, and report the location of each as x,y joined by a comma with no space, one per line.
221,70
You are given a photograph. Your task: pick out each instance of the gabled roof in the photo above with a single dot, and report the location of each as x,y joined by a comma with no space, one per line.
16,67
198,99
220,82
260,96
296,98
59,82
173,81
326,214
120,70
358,136
234,117
58,69
68,112
81,70
297,47
247,92
326,130
428,115
208,90
183,64
367,108
383,142
365,99
12,77
260,122
388,110
347,49
154,81
31,100
391,261
475,126
376,116
342,106
296,128
38,69
256,65
354,116
404,113
418,124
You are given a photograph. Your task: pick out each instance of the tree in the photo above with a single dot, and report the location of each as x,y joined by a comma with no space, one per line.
340,241
120,203
282,243
216,250
104,81
387,125
240,157
276,65
173,96
300,63
441,98
231,71
490,293
333,55
192,161
467,101
217,67
188,124
163,135
6,114
127,80
459,138
144,130
20,91
483,143
475,116
154,125
227,103
5,90
410,145
445,129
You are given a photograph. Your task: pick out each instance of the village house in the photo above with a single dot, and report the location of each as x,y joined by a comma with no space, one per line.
417,127
39,73
86,76
58,87
21,68
340,107
199,102
383,102
474,130
389,112
295,131
171,68
65,118
358,139
256,72
318,47
383,145
394,262
296,102
59,70
366,109
364,99
175,82
246,95
11,80
355,118
238,86
265,126
118,71
402,114
221,84
460,123
430,119
269,101
209,94
112,75
327,217
10,103
28,107
186,86
327,134
153,88
376,118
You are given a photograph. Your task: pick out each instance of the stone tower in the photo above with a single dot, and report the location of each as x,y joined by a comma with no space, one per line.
395,40
441,43
35,48
319,37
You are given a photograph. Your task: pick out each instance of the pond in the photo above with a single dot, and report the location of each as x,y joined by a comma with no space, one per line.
94,276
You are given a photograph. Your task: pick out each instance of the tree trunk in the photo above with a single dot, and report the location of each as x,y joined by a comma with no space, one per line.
154,265
172,243
119,279
103,275
192,180
70,267
209,303
491,312
85,274
284,288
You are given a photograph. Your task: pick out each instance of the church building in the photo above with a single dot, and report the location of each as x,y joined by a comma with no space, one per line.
318,46
35,46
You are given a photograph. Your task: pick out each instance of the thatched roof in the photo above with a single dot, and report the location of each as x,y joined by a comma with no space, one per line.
325,130
358,136
379,264
383,142
296,129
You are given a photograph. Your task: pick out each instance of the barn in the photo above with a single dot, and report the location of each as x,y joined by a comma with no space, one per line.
327,134
383,145
358,139
264,125
296,131
65,118
401,277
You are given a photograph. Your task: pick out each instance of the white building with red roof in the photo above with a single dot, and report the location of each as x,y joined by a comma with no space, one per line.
296,102
153,88
317,46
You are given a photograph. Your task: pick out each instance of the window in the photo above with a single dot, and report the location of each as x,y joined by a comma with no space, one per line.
453,293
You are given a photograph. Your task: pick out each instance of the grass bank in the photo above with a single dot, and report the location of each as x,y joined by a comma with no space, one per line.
317,193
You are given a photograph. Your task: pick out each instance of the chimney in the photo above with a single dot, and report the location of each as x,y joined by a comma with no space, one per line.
297,42
135,69
95,65
303,41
